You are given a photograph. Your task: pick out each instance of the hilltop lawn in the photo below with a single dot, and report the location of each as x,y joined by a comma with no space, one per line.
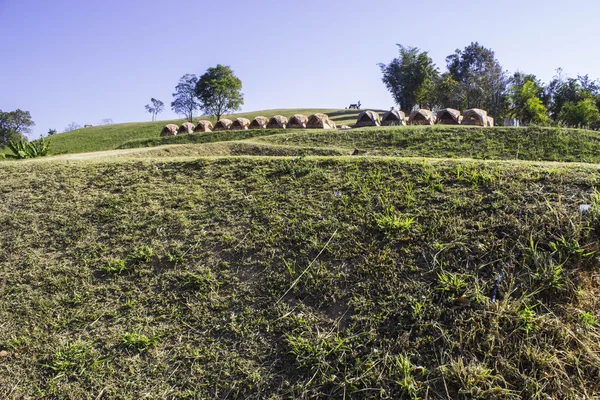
108,137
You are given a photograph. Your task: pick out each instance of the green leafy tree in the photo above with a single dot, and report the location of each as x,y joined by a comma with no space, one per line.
525,103
155,107
411,78
570,100
447,93
185,101
581,114
562,90
14,126
481,82
219,91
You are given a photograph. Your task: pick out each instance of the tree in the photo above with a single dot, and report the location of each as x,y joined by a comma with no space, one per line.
51,132
447,93
106,121
563,91
525,99
411,78
71,127
155,107
14,125
219,91
527,106
581,114
185,101
480,78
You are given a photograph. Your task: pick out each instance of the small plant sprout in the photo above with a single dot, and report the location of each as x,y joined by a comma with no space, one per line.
586,320
451,282
138,341
527,316
114,267
392,223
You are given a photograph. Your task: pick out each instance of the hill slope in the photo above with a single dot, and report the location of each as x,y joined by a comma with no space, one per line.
294,278
529,143
108,137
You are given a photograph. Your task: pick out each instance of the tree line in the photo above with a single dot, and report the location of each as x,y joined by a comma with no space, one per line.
474,78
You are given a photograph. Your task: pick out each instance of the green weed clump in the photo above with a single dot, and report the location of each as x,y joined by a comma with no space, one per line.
24,149
138,341
114,267
391,223
142,254
71,359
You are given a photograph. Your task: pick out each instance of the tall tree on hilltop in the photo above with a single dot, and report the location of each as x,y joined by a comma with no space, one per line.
583,114
14,125
155,107
411,78
219,91
525,99
563,91
185,101
480,79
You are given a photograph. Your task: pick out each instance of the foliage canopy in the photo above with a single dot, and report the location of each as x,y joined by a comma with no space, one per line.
184,98
155,107
14,125
219,91
410,78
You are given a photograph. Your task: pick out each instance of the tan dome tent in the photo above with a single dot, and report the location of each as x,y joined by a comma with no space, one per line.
204,126
475,116
240,124
421,117
297,121
490,121
169,130
186,127
449,116
277,122
393,117
367,118
259,123
223,125
320,121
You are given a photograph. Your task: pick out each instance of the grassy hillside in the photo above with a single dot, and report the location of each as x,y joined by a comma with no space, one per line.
108,137
314,277
529,143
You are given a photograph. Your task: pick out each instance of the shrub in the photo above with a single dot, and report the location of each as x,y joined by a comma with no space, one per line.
22,149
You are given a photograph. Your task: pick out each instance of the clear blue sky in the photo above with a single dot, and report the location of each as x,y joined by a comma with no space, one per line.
86,60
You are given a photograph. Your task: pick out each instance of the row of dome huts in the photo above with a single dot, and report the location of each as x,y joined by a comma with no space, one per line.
446,116
315,121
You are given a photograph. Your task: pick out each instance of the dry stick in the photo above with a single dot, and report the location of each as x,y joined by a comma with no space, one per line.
307,268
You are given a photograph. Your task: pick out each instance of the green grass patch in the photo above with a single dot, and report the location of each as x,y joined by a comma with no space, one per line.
525,143
298,277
